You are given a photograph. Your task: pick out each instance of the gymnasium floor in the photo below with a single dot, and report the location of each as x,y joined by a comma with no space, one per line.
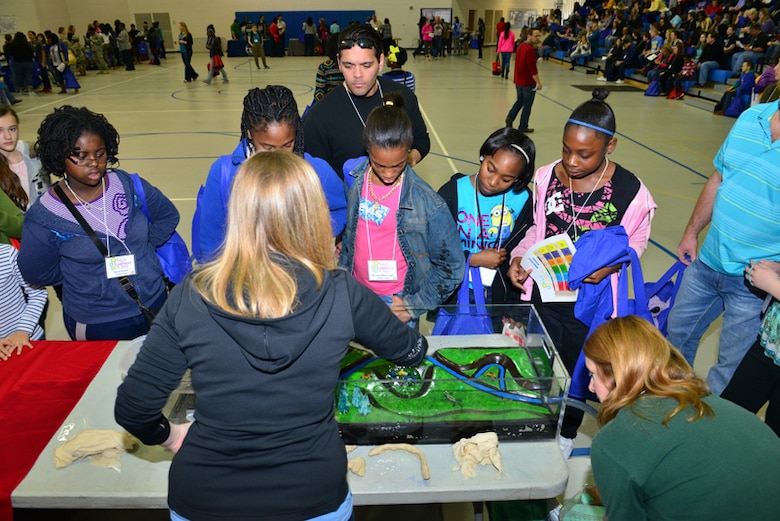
171,132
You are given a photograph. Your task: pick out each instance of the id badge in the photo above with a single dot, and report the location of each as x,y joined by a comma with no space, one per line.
382,271
120,266
487,275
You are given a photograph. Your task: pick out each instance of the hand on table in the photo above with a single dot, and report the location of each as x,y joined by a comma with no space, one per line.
15,341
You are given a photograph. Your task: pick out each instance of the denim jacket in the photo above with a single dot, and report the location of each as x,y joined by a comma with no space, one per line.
428,238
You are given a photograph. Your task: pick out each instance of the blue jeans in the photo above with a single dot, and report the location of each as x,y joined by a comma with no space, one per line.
704,295
742,57
506,59
525,99
343,513
705,69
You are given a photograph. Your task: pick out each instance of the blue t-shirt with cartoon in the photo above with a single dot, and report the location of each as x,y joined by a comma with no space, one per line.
486,222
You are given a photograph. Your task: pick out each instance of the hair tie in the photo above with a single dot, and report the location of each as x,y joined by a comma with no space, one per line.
525,155
388,103
590,125
391,55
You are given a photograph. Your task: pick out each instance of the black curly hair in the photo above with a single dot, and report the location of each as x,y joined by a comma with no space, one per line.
60,130
273,104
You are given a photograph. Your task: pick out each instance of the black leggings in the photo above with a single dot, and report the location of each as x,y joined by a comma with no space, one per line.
756,381
568,335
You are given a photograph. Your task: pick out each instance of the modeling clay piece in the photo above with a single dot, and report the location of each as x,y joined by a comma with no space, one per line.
350,448
411,449
343,400
361,402
480,449
357,466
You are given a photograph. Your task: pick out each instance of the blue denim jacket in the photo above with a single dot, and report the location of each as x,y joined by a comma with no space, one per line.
428,238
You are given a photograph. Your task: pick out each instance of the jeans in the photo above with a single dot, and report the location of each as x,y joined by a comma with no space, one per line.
704,295
125,329
343,513
741,57
506,60
705,69
189,72
525,99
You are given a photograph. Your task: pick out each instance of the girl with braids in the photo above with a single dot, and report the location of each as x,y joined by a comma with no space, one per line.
668,448
263,328
583,191
33,179
81,147
490,208
270,121
400,241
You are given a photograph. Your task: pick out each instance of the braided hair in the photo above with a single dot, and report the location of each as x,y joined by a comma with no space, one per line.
596,114
273,104
60,130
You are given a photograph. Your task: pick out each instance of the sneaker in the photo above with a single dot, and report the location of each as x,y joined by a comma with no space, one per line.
266,67
16,101
601,78
680,95
207,82
619,81
566,445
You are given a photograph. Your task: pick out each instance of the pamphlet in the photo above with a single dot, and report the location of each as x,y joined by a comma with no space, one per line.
550,260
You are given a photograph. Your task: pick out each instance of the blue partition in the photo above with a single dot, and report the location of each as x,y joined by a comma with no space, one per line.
295,19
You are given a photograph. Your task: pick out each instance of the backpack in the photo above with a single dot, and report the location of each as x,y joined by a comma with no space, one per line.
225,180
173,255
654,89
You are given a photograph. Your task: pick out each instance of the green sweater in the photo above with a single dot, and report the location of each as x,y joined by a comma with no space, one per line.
11,218
725,467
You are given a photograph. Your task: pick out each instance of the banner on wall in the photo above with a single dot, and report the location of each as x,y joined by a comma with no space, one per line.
7,24
519,18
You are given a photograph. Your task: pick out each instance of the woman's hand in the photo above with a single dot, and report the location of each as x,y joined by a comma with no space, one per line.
517,274
599,275
399,310
764,276
15,341
490,258
176,437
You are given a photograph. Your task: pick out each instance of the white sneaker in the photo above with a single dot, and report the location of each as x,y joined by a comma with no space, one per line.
566,445
619,81
601,78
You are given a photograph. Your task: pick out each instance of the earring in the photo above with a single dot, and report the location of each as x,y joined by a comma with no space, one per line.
481,158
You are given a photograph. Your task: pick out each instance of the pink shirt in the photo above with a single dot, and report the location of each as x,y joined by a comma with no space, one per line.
376,239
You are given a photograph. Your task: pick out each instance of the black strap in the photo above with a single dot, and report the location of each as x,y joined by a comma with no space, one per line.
123,281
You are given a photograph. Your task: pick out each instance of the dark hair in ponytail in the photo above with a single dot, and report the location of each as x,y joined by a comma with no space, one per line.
595,114
388,126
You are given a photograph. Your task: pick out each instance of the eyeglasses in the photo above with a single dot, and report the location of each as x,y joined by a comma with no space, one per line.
79,160
363,43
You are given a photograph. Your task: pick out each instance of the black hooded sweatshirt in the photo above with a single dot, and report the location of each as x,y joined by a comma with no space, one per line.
265,443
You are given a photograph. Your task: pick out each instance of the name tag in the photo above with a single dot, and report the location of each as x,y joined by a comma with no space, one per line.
382,271
120,266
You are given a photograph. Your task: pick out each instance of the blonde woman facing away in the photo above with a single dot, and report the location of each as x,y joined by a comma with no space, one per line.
668,448
263,327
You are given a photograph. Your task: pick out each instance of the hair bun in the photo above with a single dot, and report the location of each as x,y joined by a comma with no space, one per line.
600,94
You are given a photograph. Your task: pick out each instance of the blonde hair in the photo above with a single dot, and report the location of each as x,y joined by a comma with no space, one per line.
277,213
184,28
634,359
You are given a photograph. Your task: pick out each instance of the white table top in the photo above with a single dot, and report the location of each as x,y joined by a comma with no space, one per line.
533,470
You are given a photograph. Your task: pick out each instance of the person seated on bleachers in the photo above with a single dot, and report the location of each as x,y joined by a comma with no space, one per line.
742,87
667,76
753,50
650,54
580,50
710,58
729,44
661,63
615,70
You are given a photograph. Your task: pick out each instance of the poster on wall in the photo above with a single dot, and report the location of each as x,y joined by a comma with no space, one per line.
518,18
7,24
432,12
